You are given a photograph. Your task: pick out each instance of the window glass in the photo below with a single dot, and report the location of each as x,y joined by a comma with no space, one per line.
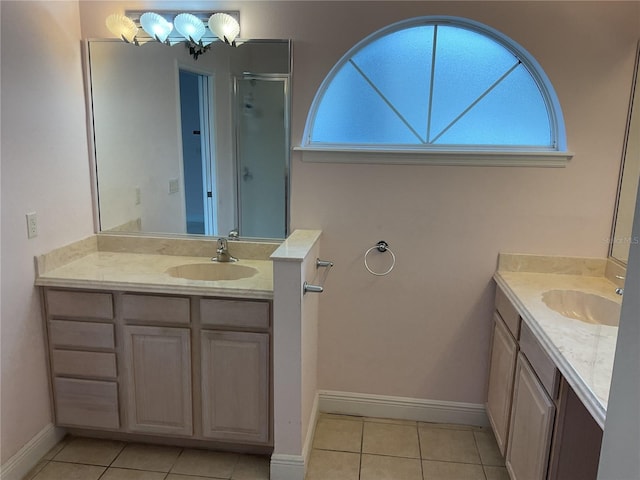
434,83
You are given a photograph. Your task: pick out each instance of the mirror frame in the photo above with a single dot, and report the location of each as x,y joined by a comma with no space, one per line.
634,107
93,164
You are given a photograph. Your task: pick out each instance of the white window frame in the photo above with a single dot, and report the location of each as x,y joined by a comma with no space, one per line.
556,156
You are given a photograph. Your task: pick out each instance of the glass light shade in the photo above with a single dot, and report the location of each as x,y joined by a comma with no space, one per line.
122,26
189,26
224,26
156,25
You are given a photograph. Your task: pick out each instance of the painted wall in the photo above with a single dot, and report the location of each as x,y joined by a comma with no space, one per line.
45,169
423,331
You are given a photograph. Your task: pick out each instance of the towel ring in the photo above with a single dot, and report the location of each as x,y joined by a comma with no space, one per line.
382,247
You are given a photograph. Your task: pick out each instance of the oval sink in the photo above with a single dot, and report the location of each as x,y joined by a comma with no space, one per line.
212,271
586,307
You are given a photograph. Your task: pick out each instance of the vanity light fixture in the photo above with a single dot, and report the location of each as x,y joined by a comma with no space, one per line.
197,30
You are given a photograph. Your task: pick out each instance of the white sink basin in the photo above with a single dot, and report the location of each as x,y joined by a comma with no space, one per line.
586,307
212,271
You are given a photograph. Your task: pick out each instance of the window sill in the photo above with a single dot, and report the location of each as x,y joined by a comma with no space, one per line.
478,158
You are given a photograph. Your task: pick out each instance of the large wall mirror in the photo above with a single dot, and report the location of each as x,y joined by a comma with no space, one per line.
191,146
629,177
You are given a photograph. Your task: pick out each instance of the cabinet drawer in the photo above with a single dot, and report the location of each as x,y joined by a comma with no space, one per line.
79,304
86,364
542,365
156,308
64,333
86,403
508,313
234,313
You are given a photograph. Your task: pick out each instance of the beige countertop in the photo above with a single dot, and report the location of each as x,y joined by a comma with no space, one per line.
128,266
582,352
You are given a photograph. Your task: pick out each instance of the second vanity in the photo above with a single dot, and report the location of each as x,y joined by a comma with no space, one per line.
555,330
143,345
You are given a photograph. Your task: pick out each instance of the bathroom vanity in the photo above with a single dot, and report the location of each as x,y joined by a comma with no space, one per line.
135,348
551,362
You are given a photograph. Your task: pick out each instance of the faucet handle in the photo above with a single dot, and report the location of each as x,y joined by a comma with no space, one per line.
234,234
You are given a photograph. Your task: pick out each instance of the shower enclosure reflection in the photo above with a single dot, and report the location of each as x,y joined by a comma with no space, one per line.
186,146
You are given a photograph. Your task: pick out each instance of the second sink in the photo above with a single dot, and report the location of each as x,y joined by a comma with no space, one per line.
586,307
212,271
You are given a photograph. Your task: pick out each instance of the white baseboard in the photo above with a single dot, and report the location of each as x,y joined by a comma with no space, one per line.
382,406
287,467
294,467
311,431
28,456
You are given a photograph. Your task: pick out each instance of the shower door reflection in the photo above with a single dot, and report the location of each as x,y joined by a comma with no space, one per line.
262,143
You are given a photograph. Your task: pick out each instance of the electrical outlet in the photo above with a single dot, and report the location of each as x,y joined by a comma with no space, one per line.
137,195
174,185
32,225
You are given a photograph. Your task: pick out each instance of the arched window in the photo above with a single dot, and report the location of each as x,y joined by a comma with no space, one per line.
440,85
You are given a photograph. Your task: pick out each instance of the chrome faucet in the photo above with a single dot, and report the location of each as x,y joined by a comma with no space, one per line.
222,252
620,291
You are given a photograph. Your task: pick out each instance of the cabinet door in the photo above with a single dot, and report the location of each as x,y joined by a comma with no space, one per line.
235,386
158,362
531,424
501,376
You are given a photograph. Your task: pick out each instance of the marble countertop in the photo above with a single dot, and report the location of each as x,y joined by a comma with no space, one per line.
86,265
583,352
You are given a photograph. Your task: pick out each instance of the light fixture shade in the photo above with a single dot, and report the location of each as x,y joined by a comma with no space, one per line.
122,26
224,26
156,26
189,26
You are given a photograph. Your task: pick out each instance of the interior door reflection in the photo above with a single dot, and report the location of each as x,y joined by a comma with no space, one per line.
197,153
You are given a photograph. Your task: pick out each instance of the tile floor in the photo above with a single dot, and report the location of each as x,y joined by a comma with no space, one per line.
77,458
344,448
356,448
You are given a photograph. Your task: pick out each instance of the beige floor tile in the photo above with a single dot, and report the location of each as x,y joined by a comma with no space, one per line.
341,435
124,474
56,449
450,426
251,467
394,421
205,463
337,416
90,451
496,473
451,471
448,445
329,465
377,467
390,439
153,458
35,470
488,449
175,476
69,471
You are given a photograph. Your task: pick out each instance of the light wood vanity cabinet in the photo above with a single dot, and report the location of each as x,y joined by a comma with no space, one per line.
542,429
504,351
531,424
235,385
81,329
158,364
161,365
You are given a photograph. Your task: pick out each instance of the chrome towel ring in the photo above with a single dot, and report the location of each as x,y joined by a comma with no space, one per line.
382,247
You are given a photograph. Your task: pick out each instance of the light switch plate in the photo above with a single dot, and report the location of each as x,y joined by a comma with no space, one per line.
32,225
